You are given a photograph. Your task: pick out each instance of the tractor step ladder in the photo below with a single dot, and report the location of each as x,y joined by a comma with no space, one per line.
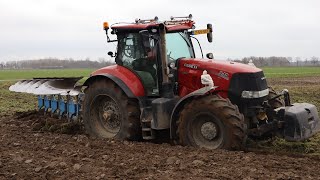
147,133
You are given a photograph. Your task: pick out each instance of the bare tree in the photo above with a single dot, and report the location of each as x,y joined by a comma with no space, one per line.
290,59
306,62
314,60
297,59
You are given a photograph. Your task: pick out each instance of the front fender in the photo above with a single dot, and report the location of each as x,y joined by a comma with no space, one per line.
180,104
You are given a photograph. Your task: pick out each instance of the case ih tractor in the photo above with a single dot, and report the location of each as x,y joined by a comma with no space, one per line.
159,88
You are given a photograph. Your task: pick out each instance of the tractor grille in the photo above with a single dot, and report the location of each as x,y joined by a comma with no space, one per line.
246,82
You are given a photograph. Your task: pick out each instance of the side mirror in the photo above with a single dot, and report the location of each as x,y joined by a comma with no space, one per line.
209,35
110,53
209,56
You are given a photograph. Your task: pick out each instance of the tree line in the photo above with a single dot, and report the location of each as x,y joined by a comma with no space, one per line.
55,63
279,61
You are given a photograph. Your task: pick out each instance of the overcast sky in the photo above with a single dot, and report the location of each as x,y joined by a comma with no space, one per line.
73,28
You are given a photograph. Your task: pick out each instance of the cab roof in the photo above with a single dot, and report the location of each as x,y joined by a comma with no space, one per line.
171,26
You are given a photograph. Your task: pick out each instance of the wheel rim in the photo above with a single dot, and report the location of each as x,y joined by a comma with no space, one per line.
106,113
207,131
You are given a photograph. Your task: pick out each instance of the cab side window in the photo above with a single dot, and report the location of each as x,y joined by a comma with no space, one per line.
138,53
129,49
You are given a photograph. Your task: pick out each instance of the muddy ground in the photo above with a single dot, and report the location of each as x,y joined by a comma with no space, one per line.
36,147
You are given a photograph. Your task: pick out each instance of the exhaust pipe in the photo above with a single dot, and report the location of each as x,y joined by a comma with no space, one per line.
167,85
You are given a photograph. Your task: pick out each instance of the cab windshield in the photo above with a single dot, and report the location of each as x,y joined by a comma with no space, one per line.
178,46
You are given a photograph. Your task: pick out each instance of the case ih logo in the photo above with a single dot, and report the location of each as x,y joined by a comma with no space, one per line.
192,66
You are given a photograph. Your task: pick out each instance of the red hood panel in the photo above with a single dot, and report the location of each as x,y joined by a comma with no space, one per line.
190,71
227,66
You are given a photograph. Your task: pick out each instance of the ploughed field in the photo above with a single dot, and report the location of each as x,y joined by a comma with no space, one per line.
33,146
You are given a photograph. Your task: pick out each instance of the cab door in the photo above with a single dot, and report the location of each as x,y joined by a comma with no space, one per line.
138,54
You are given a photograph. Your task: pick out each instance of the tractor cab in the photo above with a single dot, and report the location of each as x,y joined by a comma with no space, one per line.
149,48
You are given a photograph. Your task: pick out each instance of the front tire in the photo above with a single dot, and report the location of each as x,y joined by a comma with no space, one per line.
211,122
109,113
275,103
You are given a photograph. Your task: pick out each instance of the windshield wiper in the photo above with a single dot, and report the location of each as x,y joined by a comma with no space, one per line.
198,44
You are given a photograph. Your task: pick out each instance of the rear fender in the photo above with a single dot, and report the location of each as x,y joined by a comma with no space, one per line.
180,104
116,80
129,82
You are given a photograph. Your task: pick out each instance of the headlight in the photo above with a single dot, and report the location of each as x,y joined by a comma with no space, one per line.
254,94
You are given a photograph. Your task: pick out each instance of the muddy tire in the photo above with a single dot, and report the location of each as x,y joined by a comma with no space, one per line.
213,123
109,113
276,103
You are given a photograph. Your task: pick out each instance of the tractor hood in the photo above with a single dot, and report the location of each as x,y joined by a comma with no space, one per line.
218,65
230,77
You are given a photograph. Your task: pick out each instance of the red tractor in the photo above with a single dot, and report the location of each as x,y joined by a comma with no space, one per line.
156,87
159,88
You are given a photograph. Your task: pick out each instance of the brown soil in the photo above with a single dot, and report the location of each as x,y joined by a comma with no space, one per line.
36,147
297,81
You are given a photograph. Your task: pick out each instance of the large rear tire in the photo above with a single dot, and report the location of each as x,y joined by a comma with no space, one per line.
213,123
109,113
